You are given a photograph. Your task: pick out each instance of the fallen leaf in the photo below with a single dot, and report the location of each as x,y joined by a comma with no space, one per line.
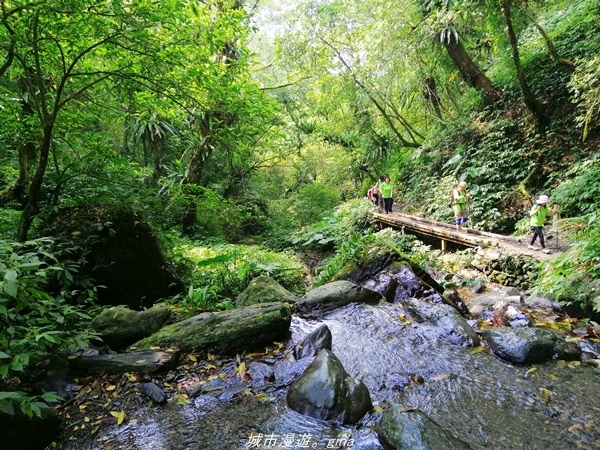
545,395
193,358
119,415
478,349
112,387
241,370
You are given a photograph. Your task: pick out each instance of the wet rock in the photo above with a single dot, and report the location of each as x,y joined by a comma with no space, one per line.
447,324
509,315
261,374
411,285
478,288
264,289
286,371
369,270
315,341
119,326
412,429
325,391
152,391
541,301
334,295
482,305
415,282
527,345
226,332
232,391
383,283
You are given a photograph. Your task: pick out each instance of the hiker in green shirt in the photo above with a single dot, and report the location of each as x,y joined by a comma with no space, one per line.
460,204
537,216
387,192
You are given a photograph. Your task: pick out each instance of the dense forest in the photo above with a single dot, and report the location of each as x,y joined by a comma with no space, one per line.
241,138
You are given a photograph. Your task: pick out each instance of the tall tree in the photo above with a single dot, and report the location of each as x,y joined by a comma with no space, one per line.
58,52
439,16
528,97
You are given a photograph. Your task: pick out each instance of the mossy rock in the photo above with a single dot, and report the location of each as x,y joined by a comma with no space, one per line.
226,332
264,289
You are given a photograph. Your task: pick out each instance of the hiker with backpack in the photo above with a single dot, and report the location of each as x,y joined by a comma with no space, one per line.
460,202
537,217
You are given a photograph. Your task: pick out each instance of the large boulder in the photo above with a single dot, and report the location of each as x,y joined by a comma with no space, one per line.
226,332
334,295
121,251
325,391
264,289
528,345
446,323
403,280
412,429
119,326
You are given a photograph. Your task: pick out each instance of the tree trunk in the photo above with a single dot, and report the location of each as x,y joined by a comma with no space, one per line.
470,72
430,94
31,208
530,101
549,44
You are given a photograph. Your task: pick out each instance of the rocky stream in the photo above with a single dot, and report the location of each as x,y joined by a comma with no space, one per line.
389,363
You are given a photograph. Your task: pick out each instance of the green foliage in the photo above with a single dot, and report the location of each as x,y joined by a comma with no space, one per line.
359,249
42,301
348,220
216,217
29,405
311,202
199,299
585,85
9,218
579,194
574,276
220,272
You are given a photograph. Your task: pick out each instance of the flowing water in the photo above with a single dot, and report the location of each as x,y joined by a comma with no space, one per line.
482,400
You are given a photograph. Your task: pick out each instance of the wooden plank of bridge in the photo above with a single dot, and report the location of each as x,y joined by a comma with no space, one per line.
448,232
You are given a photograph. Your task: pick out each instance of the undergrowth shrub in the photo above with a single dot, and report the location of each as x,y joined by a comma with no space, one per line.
360,249
574,276
43,312
218,273
350,219
580,193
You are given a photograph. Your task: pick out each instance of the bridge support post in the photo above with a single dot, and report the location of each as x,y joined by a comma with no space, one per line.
443,242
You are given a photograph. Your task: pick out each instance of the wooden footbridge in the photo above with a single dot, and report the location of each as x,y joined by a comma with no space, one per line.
421,226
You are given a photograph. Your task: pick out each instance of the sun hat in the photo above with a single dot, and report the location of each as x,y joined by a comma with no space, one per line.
462,183
543,199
